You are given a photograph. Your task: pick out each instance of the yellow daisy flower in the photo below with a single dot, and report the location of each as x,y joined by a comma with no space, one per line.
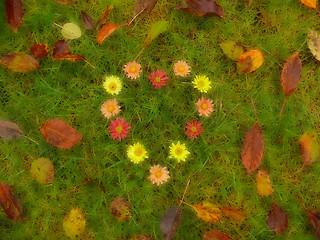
202,83
179,151
112,85
137,153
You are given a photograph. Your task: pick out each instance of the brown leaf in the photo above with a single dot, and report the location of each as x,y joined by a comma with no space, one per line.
105,16
40,50
236,214
64,2
277,219
264,187
291,73
19,62
15,12
215,234
250,61
60,47
141,237
252,149
120,208
310,148
209,212
144,6
60,134
87,21
170,222
314,220
106,31
10,130
69,57
202,8
10,204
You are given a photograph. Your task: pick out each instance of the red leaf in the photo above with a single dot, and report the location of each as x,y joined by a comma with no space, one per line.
19,62
15,12
60,134
40,50
59,47
216,235
106,31
202,8
11,205
253,147
69,57
314,220
277,219
87,21
291,73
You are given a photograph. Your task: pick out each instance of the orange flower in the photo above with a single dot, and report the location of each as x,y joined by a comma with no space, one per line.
181,68
205,106
133,69
110,108
158,174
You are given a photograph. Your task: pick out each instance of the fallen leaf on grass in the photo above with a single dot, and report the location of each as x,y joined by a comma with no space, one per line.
314,220
105,16
236,214
313,41
277,219
310,3
170,222
264,187
70,57
39,50
10,130
155,30
232,49
60,47
106,31
252,149
19,62
15,12
87,21
42,170
74,223
120,208
64,2
71,31
144,6
291,73
310,148
209,212
201,8
141,237
249,61
215,234
10,204
60,134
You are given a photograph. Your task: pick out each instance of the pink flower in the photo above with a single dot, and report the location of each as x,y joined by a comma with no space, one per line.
193,129
110,108
158,78
181,68
158,174
133,69
119,129
205,106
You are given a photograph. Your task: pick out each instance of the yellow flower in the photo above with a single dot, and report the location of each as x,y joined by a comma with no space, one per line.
112,84
137,153
179,151
202,83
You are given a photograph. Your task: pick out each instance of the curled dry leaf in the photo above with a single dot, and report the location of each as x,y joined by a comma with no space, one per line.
216,234
106,31
264,187
209,212
236,214
252,149
249,61
42,170
277,219
15,12
170,222
70,57
310,3
39,50
232,49
19,62
60,134
310,148
10,130
105,16
71,31
120,208
313,41
291,73
87,21
10,204
201,8
141,237
314,220
144,6
74,223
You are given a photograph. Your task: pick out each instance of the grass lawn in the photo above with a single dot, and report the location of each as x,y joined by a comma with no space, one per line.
73,92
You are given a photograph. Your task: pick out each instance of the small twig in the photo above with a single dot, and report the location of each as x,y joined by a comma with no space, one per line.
185,190
317,10
136,16
254,108
139,53
186,204
29,139
75,188
283,105
249,3
57,25
300,199
90,64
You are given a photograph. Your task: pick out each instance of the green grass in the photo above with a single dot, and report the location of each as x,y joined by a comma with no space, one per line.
73,92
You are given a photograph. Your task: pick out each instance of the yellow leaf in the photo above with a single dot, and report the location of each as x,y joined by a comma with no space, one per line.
310,148
74,223
235,213
310,3
263,183
208,212
249,61
71,31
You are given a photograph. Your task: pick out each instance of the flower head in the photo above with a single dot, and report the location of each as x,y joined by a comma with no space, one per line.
112,84
158,78
137,153
133,69
204,106
202,83
158,174
119,129
193,129
181,68
110,108
179,151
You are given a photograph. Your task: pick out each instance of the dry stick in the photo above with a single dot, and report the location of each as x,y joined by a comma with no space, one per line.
300,199
255,112
29,139
136,16
75,188
139,53
249,3
283,105
317,10
185,191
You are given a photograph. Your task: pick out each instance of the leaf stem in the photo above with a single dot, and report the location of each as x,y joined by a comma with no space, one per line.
90,64
255,112
136,16
185,191
29,139
283,105
139,53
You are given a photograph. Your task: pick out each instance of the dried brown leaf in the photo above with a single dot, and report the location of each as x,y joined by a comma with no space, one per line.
19,62
236,214
64,2
202,8
10,130
141,237
310,148
10,204
314,220
215,234
69,56
105,16
39,50
120,208
291,73
170,222
87,21
209,212
277,219
60,47
15,12
144,6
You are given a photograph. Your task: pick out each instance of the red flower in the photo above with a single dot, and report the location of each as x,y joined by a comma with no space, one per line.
158,78
119,129
193,129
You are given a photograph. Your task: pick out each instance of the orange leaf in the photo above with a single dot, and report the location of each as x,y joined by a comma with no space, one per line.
39,50
69,56
249,61
253,147
15,12
264,187
291,73
105,16
215,234
209,212
106,31
310,148
10,204
19,62
235,213
310,3
60,134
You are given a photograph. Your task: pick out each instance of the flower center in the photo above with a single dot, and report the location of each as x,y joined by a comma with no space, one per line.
178,151
204,106
200,83
113,86
138,151
193,129
158,174
110,108
181,69
133,69
119,129
157,79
